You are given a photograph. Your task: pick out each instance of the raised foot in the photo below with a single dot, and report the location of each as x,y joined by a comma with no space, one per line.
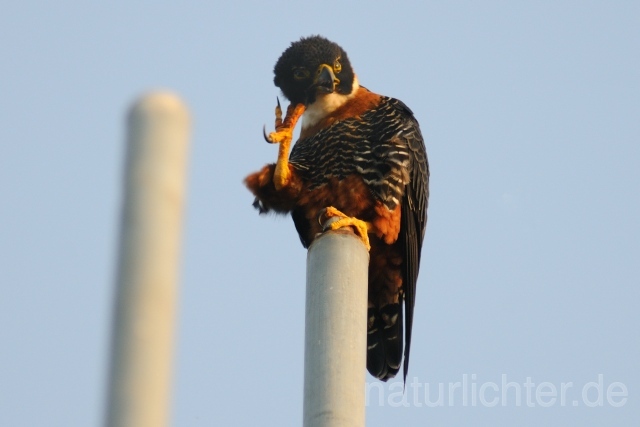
284,128
361,228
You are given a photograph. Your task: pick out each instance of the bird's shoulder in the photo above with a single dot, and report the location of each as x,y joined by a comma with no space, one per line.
362,112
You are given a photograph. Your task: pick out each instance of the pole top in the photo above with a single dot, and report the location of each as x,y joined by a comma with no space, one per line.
159,104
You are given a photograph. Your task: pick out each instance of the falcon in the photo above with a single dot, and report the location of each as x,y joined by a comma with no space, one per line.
360,158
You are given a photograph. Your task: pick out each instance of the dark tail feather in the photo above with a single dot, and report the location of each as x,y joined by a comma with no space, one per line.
376,363
384,341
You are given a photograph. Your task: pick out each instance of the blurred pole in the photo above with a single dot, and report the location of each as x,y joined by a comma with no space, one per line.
147,277
335,331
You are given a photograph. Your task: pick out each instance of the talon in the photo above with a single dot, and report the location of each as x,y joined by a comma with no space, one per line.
327,214
278,113
283,136
266,137
321,216
361,228
284,128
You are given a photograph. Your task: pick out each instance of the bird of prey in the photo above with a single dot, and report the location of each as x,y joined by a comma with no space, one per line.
361,158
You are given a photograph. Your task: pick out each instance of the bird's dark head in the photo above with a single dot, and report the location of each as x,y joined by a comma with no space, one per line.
311,68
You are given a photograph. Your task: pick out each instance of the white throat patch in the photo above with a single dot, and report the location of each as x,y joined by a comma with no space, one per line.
327,104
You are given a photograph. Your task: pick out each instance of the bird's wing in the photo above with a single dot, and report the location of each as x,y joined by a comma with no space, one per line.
414,218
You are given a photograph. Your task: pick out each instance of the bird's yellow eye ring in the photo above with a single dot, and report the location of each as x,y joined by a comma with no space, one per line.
337,66
300,73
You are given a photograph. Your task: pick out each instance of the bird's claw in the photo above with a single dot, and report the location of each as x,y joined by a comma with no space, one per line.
331,218
284,128
266,137
278,113
329,215
284,134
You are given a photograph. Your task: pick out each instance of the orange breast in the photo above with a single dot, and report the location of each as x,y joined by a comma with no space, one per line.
364,100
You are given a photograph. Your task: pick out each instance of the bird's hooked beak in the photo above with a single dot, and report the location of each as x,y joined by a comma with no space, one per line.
325,81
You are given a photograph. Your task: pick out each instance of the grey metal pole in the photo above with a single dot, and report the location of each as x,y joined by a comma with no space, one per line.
147,276
335,331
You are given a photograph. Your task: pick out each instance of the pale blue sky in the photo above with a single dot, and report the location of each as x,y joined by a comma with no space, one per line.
531,114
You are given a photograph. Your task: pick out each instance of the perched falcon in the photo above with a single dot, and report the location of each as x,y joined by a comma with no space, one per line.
360,157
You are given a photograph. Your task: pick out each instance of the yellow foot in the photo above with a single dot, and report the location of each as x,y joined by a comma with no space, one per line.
284,129
360,227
